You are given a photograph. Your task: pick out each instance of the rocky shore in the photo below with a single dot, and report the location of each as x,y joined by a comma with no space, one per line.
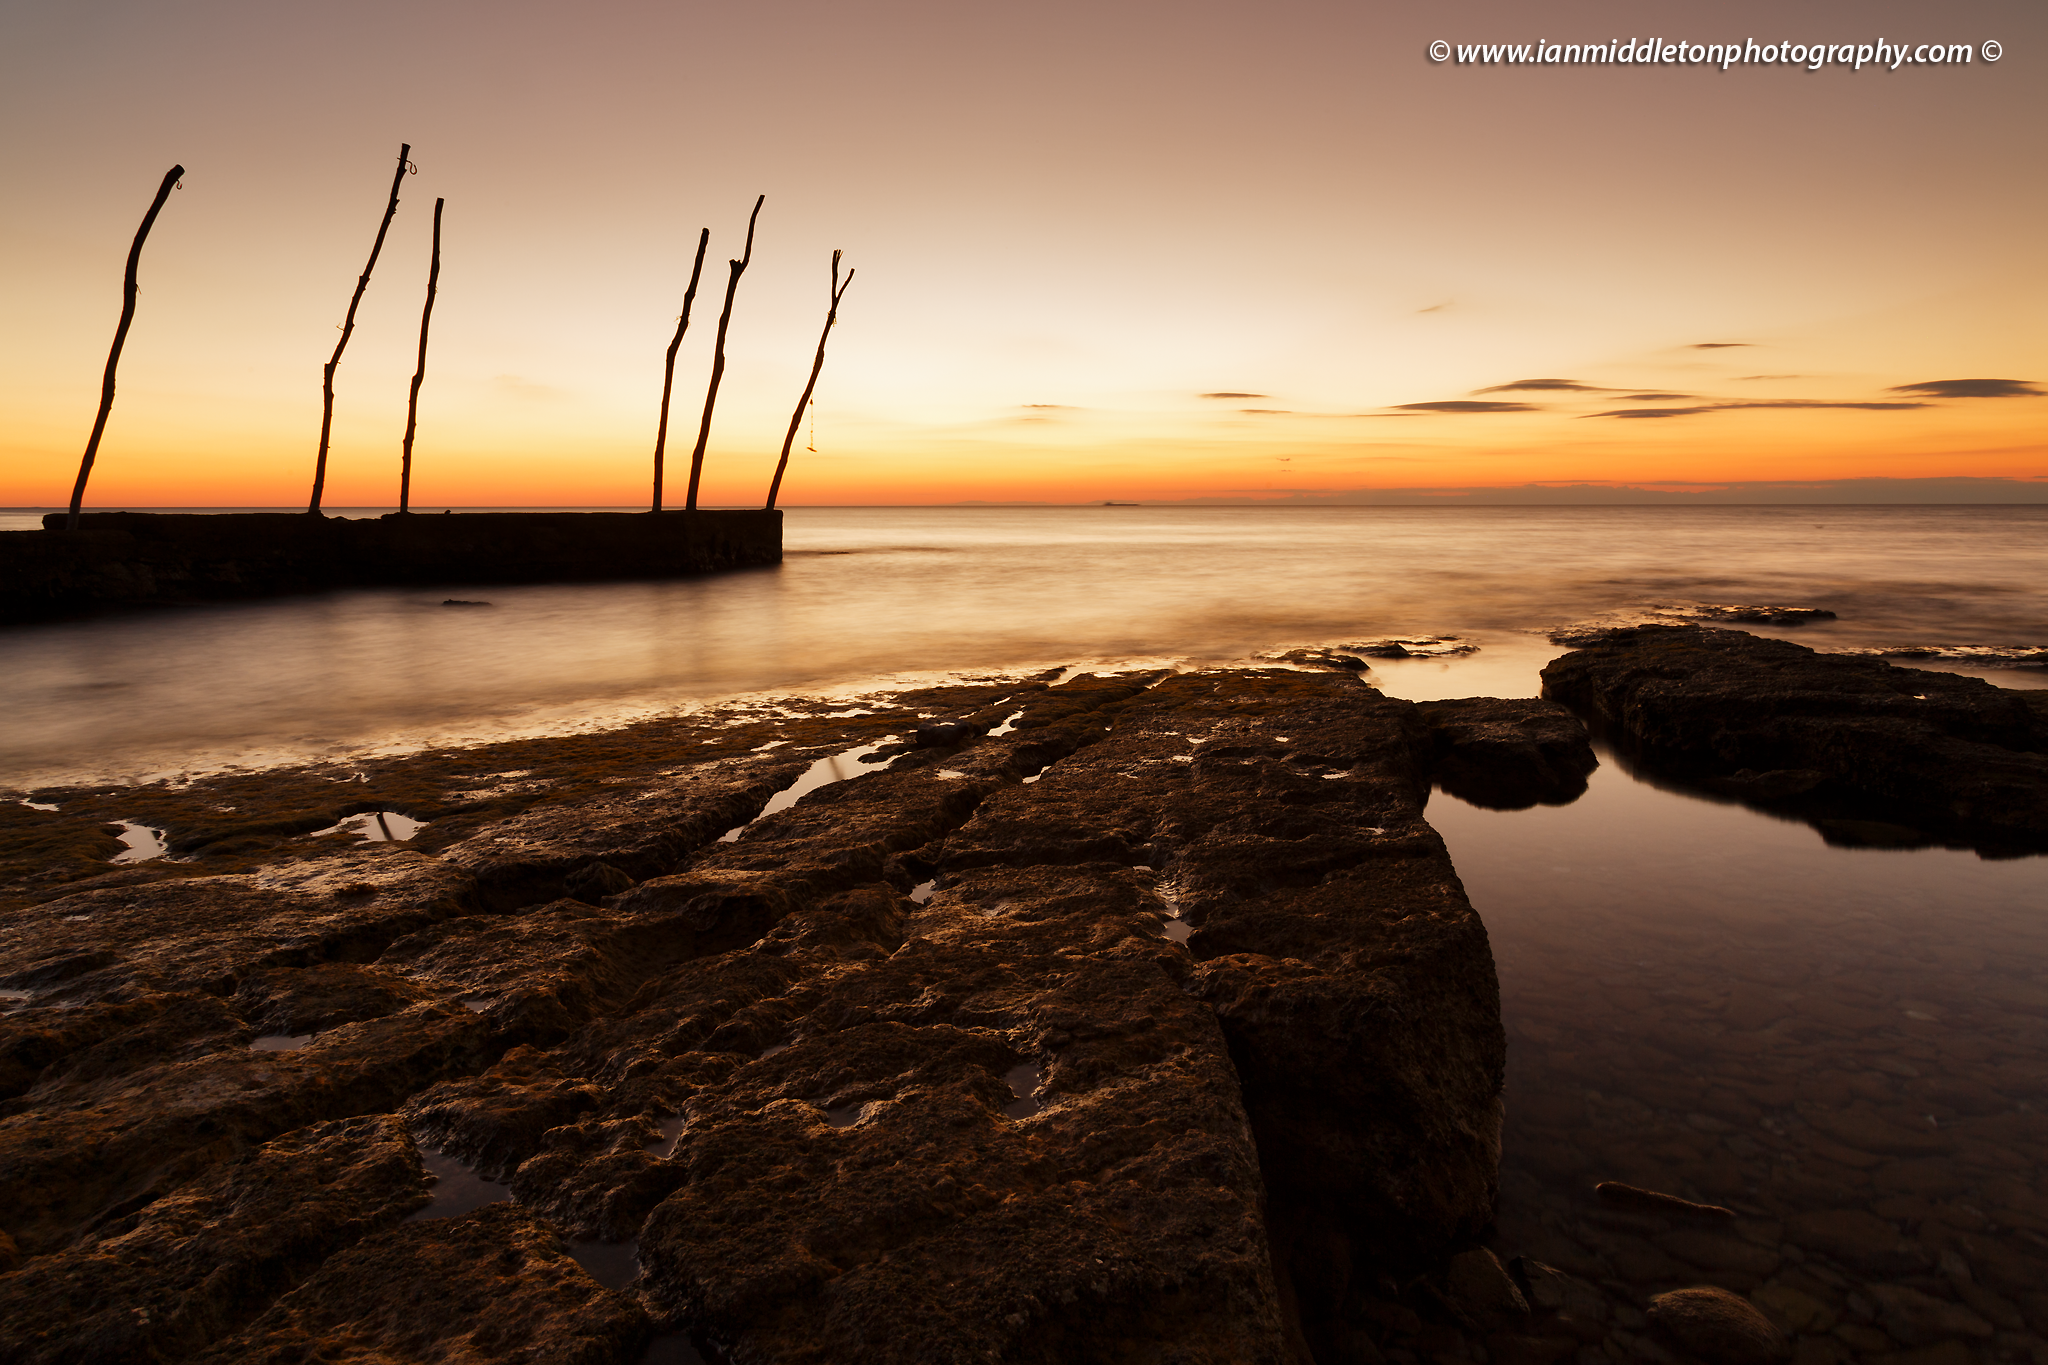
1134,1018
1870,753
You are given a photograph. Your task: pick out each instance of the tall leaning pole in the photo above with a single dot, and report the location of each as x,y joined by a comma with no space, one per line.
668,373
99,425
817,363
348,327
412,401
732,285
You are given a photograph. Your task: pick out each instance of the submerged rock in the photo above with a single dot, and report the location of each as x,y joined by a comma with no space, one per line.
1622,1196
1412,647
1719,1327
1993,656
1601,629
1828,736
1320,658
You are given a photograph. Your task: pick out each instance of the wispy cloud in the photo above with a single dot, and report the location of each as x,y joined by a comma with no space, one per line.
1466,405
1268,412
1761,403
1718,345
1971,388
1232,393
1544,386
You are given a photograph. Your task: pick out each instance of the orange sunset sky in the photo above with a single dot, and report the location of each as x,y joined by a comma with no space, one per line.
1105,250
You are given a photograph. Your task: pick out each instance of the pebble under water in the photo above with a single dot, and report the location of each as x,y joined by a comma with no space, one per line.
1847,1047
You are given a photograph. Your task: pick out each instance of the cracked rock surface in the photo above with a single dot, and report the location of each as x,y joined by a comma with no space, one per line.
1155,1026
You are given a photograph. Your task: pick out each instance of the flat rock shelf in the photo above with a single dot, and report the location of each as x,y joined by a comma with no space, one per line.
128,559
1013,1116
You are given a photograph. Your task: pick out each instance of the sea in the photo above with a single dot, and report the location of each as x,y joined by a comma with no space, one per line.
870,597
1700,998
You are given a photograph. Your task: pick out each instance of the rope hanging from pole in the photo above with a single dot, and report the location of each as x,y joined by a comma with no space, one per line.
817,363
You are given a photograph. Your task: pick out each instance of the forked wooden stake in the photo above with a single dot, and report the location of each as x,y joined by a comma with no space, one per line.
668,373
412,402
99,425
348,327
817,363
718,356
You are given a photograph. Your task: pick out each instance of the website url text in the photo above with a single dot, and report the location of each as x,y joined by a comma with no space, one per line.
1812,56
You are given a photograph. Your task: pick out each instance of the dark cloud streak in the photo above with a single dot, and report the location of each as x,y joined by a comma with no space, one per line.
1544,386
1466,405
1761,403
1970,388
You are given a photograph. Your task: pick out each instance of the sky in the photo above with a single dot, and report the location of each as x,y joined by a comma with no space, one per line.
1130,251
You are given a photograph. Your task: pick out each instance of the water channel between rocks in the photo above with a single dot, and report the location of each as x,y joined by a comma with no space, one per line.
456,1188
1705,1000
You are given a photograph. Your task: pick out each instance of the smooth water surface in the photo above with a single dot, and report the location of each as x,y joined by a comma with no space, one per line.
456,1188
872,594
1709,1001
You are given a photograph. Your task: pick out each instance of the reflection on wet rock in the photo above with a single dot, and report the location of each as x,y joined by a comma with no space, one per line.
140,843
454,1189
376,827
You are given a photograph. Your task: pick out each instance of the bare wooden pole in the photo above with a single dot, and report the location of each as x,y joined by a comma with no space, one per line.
718,355
99,425
668,373
348,327
817,363
412,402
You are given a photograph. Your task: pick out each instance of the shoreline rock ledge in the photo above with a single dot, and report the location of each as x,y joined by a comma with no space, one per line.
1867,752
1152,1024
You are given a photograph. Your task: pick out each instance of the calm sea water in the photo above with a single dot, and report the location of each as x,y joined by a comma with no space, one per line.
872,594
1704,1000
